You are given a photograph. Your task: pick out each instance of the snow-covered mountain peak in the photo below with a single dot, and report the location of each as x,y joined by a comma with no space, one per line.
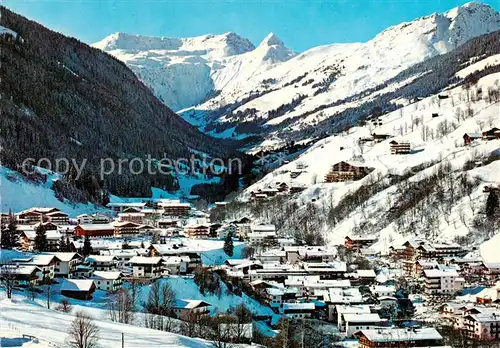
273,49
223,45
271,40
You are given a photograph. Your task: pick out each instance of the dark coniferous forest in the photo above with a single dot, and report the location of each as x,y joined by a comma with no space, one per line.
61,98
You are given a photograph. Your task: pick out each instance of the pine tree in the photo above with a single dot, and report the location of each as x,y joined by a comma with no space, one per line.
68,244
63,247
228,244
41,239
492,205
10,236
87,248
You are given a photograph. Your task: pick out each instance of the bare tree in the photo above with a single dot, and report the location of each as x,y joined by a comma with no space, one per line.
241,326
32,291
64,306
135,287
120,307
48,291
83,332
8,276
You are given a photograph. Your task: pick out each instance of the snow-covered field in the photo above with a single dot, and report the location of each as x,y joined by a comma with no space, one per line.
51,327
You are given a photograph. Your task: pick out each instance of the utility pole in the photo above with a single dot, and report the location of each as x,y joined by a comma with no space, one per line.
123,341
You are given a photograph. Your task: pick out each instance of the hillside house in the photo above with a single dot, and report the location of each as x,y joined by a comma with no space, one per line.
84,219
197,230
22,274
35,215
174,207
442,282
380,137
129,206
101,262
81,289
482,326
137,218
28,238
58,217
400,147
297,310
45,262
66,263
183,308
356,243
95,230
344,171
110,281
394,337
493,133
470,137
146,267
176,264
127,228
364,321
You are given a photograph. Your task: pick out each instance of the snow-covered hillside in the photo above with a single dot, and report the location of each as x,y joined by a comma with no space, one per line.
50,327
381,205
184,72
246,85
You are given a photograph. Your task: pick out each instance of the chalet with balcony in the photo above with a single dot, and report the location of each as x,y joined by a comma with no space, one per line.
347,171
400,147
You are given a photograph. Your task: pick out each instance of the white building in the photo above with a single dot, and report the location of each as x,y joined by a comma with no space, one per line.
66,263
101,262
442,282
150,267
365,321
107,280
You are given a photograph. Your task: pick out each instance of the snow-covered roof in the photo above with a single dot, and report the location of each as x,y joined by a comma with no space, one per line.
366,273
37,259
143,260
100,258
263,228
353,309
362,318
298,306
19,269
76,284
190,304
96,227
401,335
437,273
111,275
65,257
51,234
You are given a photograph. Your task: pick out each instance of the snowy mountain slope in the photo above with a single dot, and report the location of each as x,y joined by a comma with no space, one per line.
378,204
184,72
331,73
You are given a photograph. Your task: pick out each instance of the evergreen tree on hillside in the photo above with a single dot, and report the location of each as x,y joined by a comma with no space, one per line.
228,244
87,248
492,205
41,243
10,235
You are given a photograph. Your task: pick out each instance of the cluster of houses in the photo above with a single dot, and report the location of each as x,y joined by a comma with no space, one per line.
279,188
492,134
168,218
480,320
